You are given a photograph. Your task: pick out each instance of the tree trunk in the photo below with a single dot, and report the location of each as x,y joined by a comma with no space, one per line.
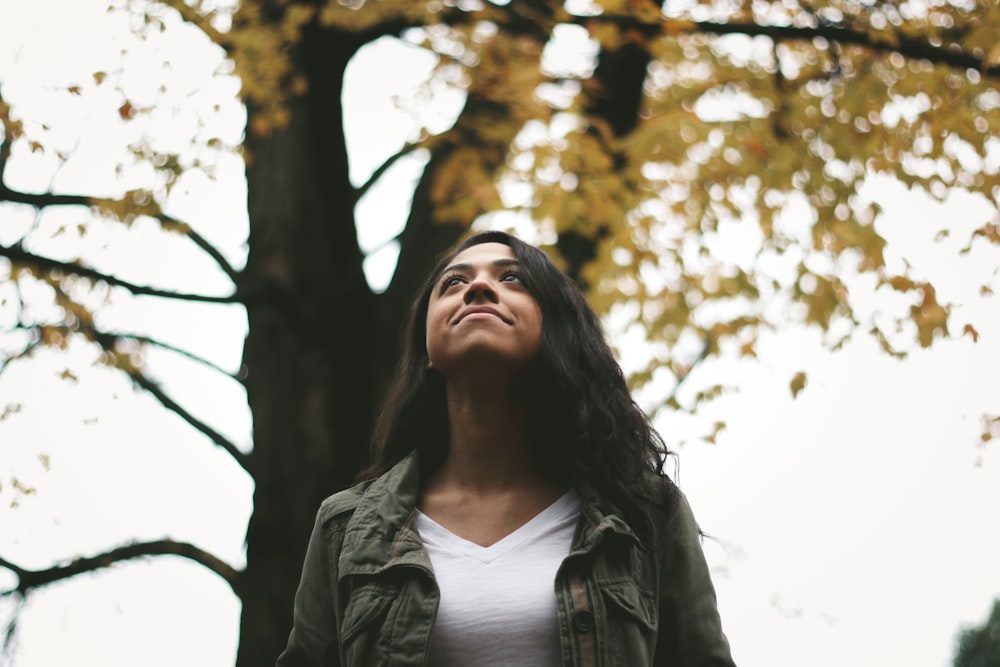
309,345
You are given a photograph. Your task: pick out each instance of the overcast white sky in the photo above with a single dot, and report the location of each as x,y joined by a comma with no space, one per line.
854,525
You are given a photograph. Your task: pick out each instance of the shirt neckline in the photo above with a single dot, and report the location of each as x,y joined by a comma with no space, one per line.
565,507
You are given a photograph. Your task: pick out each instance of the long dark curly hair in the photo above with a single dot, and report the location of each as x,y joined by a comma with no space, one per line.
583,422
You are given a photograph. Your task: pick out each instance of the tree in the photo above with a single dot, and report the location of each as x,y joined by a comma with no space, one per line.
980,647
687,125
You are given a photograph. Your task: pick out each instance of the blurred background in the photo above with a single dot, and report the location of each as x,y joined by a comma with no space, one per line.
213,216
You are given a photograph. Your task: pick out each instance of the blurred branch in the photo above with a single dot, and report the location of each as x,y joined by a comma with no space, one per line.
42,199
911,47
187,354
17,254
46,199
384,167
108,343
208,248
201,21
172,405
7,358
687,373
29,579
534,18
6,651
7,138
115,336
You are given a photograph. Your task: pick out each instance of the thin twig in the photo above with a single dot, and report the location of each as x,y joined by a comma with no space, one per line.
175,407
384,167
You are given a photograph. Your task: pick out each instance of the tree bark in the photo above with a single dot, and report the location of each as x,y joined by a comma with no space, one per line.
309,345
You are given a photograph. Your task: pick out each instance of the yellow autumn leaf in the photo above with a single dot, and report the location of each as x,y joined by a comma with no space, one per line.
993,57
798,383
717,428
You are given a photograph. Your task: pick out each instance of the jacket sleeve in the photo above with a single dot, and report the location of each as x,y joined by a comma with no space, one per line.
313,639
690,630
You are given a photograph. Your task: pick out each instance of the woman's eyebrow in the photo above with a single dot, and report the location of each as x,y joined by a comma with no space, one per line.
497,263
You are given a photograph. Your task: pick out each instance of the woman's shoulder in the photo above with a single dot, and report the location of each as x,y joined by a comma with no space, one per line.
400,481
662,491
342,503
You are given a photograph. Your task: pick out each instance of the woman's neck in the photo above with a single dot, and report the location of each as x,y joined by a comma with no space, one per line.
489,445
490,481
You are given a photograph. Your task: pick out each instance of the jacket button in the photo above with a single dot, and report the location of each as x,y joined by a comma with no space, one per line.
583,620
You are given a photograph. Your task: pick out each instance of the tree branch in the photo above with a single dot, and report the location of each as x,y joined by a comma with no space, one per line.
911,47
18,254
209,249
200,21
116,336
29,579
6,649
187,354
384,167
7,139
687,372
45,199
172,405
7,358
107,343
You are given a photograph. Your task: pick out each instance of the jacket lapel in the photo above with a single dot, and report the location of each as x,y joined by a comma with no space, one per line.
380,533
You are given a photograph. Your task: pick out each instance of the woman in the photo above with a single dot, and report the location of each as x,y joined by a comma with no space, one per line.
516,512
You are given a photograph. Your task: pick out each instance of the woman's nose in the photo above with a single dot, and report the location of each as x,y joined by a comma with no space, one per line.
480,289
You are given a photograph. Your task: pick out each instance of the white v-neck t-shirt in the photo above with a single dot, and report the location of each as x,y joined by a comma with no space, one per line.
498,603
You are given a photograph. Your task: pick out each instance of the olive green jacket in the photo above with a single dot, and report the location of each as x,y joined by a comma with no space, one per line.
368,597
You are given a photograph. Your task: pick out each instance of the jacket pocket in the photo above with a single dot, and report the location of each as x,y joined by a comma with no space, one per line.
367,606
627,597
630,635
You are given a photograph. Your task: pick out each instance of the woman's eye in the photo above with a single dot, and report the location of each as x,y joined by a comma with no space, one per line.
511,277
450,281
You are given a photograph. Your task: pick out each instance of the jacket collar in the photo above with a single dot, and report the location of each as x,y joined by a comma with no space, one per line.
381,532
599,520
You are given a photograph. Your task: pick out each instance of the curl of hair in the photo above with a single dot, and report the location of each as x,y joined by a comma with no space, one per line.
583,420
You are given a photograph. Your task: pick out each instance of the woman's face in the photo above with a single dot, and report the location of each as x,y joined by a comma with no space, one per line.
480,311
